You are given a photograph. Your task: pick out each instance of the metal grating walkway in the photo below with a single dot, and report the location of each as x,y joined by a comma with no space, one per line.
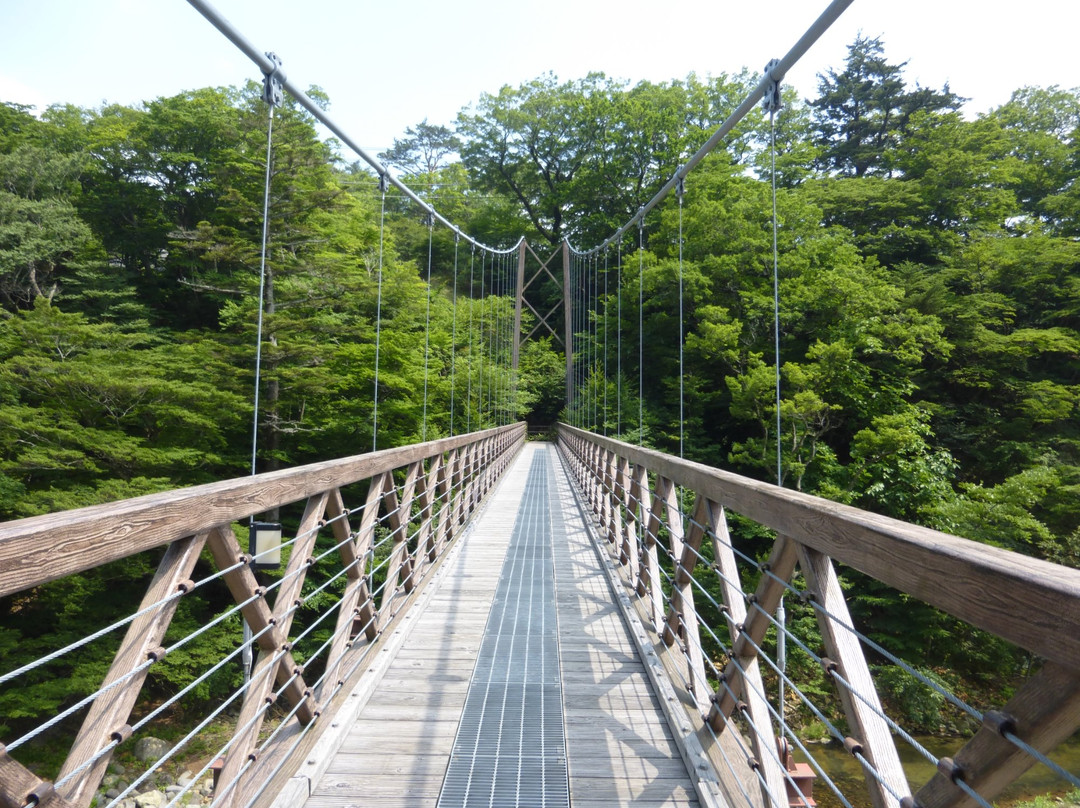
510,748
395,745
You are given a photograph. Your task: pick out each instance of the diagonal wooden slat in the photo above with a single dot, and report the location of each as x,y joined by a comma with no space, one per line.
111,710
1044,712
356,589
766,598
682,619
864,721
243,587
651,582
752,691
20,787
274,659
267,670
398,512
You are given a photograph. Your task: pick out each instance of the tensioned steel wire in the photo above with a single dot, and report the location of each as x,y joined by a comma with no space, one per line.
453,337
427,329
839,679
427,522
718,673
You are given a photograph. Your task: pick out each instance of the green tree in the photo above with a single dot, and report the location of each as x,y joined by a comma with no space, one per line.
863,111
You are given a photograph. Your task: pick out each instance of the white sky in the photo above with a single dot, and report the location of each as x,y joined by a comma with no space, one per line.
389,65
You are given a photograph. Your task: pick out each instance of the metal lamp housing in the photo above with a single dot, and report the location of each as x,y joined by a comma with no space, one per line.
264,545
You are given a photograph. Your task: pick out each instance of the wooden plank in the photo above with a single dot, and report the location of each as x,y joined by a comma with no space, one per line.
18,783
683,616
863,714
651,580
752,690
267,669
242,585
111,710
43,548
630,554
1045,712
398,516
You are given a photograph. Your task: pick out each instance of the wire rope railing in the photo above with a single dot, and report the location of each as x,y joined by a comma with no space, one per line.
314,625
709,596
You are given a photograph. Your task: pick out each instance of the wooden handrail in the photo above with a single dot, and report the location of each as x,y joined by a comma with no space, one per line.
1030,602
39,549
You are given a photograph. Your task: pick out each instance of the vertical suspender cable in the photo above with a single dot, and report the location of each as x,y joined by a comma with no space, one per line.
453,335
246,656
641,333
480,340
427,328
680,190
618,344
606,257
262,290
383,185
468,388
772,103
596,340
496,338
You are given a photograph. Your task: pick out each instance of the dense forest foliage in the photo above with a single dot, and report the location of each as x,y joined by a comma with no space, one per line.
929,312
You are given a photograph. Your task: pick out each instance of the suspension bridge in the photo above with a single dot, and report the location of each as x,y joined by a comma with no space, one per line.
487,620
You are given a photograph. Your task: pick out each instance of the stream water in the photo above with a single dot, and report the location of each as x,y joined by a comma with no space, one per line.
848,774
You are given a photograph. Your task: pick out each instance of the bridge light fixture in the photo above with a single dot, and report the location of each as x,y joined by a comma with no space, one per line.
264,545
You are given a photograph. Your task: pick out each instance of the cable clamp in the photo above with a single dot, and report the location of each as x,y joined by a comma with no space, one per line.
384,182
680,183
429,218
122,734
949,768
771,100
852,746
273,94
999,722
43,792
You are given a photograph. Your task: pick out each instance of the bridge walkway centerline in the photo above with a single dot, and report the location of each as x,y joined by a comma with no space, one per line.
397,750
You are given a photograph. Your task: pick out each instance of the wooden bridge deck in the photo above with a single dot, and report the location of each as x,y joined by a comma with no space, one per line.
397,749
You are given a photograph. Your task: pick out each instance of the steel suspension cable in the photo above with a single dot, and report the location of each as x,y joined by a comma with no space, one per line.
641,333
262,287
378,317
472,301
680,191
427,329
607,255
772,100
453,335
268,96
774,74
596,340
618,350
480,339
